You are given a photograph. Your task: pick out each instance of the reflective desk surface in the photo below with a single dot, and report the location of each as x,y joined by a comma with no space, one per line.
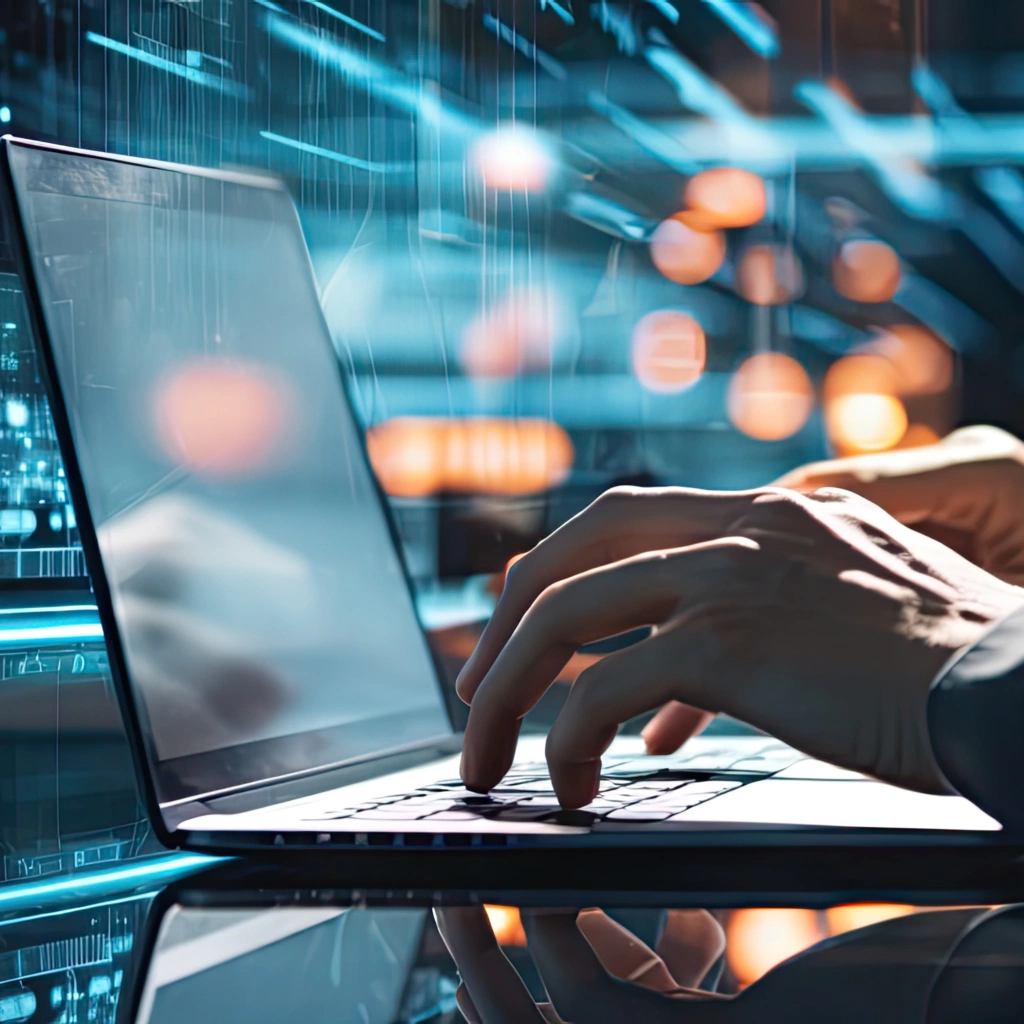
184,940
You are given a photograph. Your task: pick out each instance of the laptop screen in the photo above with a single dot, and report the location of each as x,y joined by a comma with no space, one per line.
266,623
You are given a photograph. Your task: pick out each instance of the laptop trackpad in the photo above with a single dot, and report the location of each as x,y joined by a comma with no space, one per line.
854,804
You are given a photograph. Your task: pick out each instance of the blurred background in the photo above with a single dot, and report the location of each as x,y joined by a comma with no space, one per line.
560,245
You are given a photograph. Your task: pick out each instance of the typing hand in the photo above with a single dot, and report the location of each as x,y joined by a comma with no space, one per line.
817,618
597,973
967,490
572,950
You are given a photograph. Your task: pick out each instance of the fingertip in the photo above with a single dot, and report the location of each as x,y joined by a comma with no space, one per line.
576,785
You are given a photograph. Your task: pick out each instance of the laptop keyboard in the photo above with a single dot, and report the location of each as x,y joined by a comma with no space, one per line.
632,791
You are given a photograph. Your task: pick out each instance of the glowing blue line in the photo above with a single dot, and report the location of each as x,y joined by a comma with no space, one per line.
165,867
748,26
667,9
345,18
327,154
661,146
194,75
76,910
47,611
559,10
83,632
524,46
270,6
386,83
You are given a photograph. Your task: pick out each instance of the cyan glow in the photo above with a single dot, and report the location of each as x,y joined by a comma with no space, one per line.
372,33
667,9
50,610
149,871
5,115
191,74
327,154
387,84
81,632
661,146
559,10
756,33
528,49
16,412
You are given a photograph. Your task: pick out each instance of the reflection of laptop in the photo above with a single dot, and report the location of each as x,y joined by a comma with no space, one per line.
276,683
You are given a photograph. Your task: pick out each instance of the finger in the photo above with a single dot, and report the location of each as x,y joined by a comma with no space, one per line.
582,990
622,523
672,726
496,992
465,1005
691,943
622,954
603,602
620,687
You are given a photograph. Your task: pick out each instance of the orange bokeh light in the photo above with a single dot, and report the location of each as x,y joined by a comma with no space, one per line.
517,335
865,423
769,275
851,916
922,361
867,271
506,924
759,939
684,254
418,456
669,351
770,397
727,197
220,417
513,158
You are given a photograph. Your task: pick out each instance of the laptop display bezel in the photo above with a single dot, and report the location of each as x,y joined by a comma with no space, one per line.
139,733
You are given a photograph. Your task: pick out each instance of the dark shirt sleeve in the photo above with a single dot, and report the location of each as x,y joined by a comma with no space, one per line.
976,723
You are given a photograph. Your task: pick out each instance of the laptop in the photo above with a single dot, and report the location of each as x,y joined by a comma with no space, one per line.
276,684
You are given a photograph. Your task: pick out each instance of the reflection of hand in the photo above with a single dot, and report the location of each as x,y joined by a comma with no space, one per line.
967,491
883,974
818,619
570,951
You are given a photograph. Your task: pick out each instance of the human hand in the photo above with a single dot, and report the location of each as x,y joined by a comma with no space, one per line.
817,618
595,972
967,491
586,942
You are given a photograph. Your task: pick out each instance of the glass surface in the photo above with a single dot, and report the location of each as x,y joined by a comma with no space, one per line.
255,585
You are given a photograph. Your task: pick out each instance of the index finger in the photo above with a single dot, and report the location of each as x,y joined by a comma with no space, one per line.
621,523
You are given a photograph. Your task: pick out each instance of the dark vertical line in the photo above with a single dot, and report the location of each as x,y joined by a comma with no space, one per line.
828,40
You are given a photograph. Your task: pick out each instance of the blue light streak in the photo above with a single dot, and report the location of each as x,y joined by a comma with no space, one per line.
661,146
389,85
372,33
565,15
194,75
150,871
81,632
666,9
525,47
757,34
327,154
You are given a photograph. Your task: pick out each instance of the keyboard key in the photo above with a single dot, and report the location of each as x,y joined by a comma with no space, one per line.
634,814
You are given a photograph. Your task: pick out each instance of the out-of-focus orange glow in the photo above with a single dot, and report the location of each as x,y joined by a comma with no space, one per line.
684,254
865,423
408,456
513,158
506,925
224,418
919,435
860,915
669,351
922,361
517,335
417,456
867,271
727,197
760,939
862,412
770,397
769,275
